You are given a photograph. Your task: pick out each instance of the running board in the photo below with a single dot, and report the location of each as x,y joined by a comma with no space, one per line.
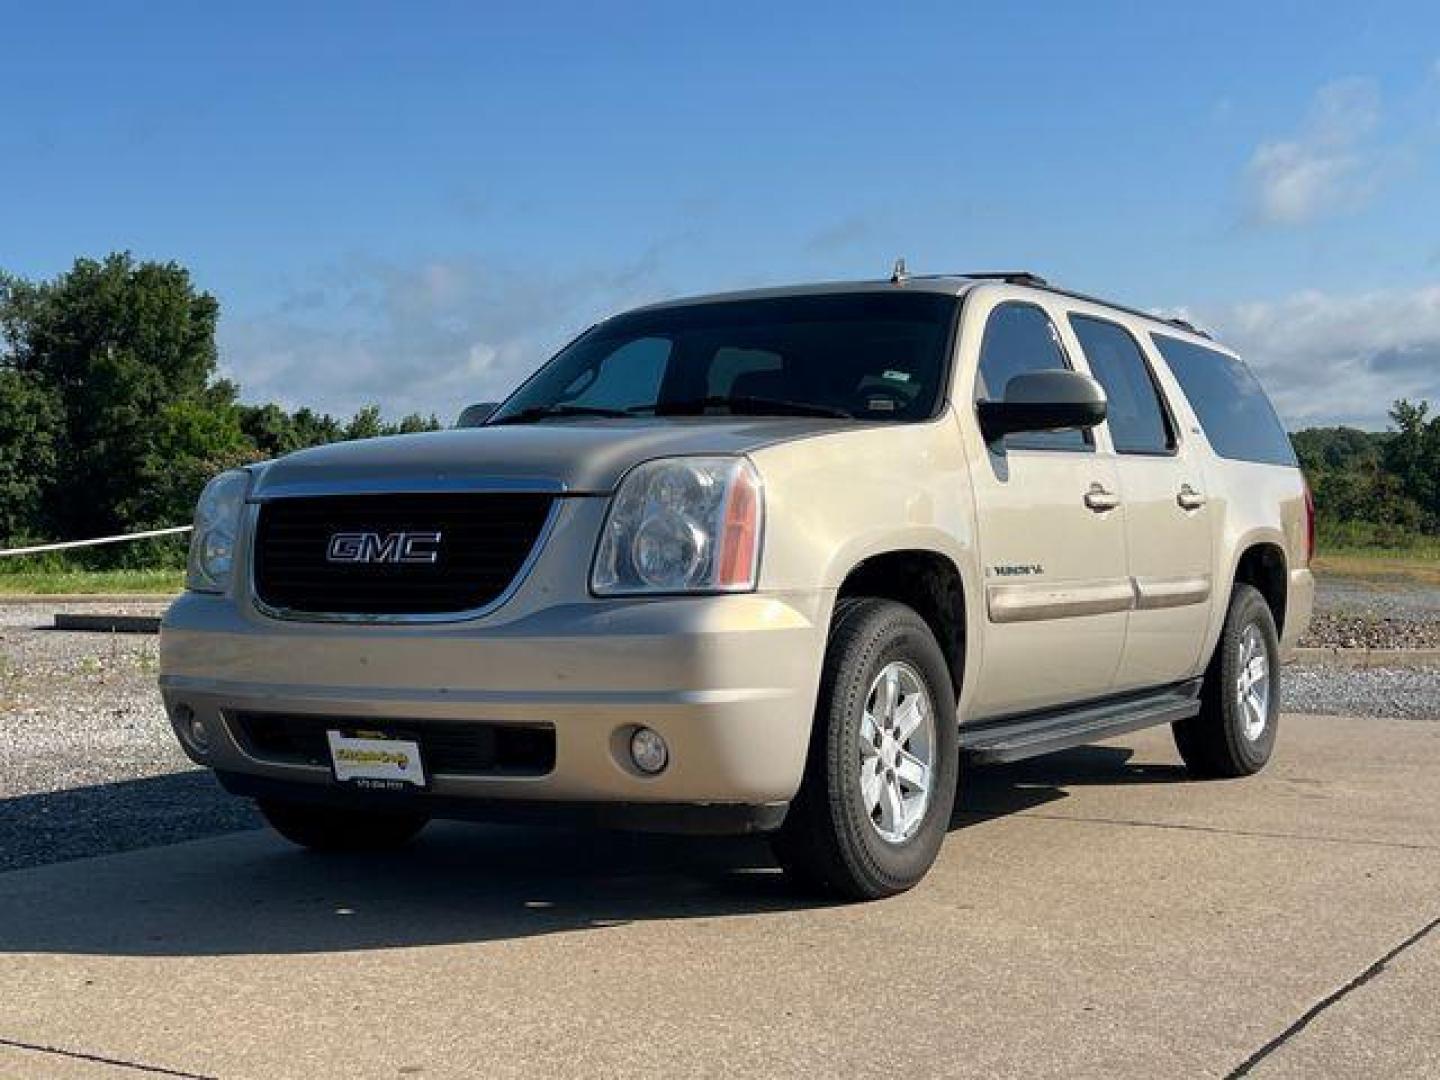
1029,735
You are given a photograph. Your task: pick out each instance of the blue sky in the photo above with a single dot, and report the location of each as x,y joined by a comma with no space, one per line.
415,203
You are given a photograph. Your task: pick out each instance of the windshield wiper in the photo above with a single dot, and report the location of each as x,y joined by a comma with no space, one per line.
541,412
744,405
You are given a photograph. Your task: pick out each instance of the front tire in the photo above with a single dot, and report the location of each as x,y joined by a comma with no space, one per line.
880,778
1234,733
332,828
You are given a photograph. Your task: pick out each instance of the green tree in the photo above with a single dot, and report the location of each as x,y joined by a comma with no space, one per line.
413,423
1342,448
365,424
190,442
1412,456
270,429
125,347
314,429
29,434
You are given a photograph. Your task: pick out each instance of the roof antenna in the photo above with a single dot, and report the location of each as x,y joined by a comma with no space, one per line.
899,275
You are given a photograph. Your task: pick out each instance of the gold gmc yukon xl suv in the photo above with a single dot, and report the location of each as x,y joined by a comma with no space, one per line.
776,561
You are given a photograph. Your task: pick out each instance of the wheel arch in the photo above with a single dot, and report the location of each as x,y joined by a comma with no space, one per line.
928,581
1261,563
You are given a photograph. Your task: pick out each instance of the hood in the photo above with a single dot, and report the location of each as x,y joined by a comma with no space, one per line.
576,457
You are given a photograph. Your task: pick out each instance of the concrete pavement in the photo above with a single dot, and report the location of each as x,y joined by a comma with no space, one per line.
1093,913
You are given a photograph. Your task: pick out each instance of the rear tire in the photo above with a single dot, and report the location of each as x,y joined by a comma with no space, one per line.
332,828
868,821
1234,732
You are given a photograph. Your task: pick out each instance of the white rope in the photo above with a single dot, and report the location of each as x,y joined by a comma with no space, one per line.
92,543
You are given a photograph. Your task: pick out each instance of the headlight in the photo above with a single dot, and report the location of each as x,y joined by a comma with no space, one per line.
217,523
682,525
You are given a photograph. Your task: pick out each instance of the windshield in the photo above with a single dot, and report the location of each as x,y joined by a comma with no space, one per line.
872,356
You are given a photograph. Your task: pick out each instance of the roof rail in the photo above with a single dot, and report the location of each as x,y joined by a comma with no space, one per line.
1184,324
1010,277
1025,277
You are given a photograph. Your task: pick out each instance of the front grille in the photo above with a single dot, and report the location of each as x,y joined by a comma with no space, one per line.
485,538
452,748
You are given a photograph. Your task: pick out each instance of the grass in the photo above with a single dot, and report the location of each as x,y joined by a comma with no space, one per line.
1378,563
54,581
1416,559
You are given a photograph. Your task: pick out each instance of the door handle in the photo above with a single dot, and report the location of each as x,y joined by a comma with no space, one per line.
1189,498
1100,500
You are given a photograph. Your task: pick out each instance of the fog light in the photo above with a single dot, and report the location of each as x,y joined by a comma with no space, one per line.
648,751
191,728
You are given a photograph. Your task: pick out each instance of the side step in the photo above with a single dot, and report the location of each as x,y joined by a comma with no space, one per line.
1028,735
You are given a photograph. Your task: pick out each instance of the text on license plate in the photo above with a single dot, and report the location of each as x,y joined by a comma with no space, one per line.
369,761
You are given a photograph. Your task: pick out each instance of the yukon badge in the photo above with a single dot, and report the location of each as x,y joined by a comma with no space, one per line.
396,547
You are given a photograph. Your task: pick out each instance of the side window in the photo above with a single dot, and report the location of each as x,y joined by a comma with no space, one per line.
1136,415
1237,417
1020,338
628,376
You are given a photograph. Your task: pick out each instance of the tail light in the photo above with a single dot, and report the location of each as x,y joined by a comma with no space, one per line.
1309,522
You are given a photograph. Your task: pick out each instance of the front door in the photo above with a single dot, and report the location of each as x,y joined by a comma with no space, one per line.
1051,538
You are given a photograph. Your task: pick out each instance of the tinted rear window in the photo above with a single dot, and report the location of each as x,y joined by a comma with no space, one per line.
1237,417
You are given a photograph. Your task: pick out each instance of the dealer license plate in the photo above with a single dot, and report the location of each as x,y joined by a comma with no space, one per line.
375,762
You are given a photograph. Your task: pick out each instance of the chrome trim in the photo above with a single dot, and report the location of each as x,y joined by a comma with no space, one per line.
1154,593
366,619
1037,601
438,484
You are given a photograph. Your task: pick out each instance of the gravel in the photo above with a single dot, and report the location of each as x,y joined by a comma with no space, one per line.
1352,613
1406,693
88,764
78,708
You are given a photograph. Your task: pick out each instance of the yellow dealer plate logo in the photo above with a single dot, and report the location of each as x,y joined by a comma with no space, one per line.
375,762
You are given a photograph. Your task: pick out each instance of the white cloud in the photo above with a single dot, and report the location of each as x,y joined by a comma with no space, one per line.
1332,358
429,338
1330,166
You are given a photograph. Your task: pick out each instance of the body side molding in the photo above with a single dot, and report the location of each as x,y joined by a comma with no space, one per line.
1037,601
1041,600
1152,593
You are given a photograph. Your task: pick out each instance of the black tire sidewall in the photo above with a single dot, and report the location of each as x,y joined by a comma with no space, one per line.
882,632
1248,608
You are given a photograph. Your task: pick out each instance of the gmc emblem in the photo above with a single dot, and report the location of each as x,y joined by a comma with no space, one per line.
396,547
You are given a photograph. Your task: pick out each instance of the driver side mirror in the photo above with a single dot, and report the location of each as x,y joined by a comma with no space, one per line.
476,415
1054,400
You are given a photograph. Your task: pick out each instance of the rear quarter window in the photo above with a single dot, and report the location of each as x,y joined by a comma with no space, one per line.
1237,417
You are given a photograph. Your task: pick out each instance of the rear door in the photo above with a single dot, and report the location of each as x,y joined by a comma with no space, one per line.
1167,521
1051,530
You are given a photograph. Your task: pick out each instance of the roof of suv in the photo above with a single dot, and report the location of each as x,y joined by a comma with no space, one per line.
945,284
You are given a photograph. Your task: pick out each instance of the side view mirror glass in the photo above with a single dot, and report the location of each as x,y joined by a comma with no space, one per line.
1054,400
476,415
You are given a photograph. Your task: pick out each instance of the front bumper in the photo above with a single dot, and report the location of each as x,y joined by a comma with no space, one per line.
729,681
